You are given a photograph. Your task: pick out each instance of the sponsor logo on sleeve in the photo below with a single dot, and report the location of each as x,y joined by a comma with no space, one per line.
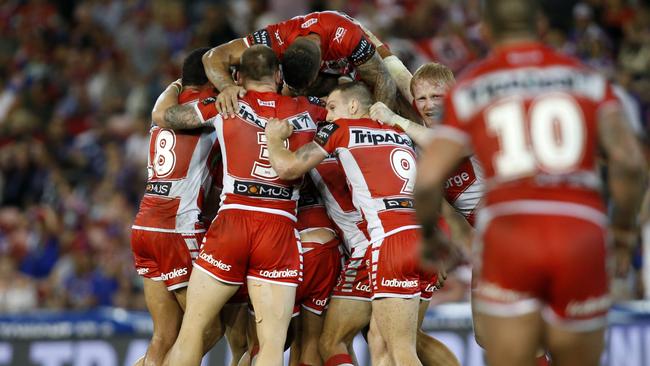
260,37
316,101
158,188
278,38
395,203
261,190
309,23
325,132
142,271
209,100
363,52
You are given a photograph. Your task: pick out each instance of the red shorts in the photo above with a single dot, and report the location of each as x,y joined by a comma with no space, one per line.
395,265
322,265
354,280
549,263
243,244
165,256
428,284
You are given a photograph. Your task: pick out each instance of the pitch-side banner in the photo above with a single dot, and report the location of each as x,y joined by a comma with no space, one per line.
113,337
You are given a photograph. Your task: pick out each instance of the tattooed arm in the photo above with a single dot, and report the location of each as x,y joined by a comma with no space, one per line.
374,74
168,98
217,64
290,165
626,167
183,117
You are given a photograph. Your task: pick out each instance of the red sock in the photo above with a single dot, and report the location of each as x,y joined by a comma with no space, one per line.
254,351
543,361
342,359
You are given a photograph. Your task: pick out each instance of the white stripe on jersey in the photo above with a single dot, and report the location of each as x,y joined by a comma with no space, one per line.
361,196
468,201
346,221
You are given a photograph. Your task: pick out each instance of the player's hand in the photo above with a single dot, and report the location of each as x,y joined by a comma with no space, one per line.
439,254
380,112
227,103
278,129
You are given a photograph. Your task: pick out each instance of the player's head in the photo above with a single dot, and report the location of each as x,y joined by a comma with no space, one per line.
429,85
349,100
301,64
193,73
506,19
259,64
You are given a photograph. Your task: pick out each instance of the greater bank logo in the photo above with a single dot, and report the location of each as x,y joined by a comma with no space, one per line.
397,283
177,272
284,273
217,263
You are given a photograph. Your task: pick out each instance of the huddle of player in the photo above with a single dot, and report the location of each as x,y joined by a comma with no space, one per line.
303,187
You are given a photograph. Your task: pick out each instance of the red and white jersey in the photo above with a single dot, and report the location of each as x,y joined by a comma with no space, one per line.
179,172
329,179
249,181
343,42
379,163
311,210
530,115
464,188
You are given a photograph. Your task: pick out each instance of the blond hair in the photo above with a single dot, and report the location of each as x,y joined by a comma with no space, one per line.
433,72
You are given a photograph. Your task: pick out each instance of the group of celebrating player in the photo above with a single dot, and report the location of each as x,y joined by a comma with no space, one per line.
312,143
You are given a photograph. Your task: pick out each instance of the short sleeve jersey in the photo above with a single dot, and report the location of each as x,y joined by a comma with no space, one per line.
249,181
464,189
179,171
530,115
343,42
379,163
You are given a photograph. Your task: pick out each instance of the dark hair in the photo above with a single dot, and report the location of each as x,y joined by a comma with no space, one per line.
511,17
301,63
193,71
258,62
358,90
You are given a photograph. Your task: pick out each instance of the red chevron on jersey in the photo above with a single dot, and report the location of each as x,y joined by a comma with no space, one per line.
329,179
343,42
249,181
179,172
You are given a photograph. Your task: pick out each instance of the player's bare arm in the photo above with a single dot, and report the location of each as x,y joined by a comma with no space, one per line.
374,73
183,117
419,134
438,160
217,64
287,164
626,168
168,98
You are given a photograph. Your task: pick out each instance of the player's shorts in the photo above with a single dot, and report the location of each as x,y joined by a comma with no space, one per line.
243,244
395,266
322,264
165,257
549,263
354,280
428,285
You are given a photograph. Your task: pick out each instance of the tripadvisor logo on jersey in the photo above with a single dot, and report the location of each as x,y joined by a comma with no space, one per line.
254,189
365,137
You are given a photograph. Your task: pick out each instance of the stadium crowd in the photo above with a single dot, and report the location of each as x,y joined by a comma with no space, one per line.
78,80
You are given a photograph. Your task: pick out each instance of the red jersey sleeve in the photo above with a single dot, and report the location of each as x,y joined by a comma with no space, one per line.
206,108
330,136
346,38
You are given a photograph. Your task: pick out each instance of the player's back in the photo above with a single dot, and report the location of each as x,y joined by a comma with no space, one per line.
531,114
250,183
178,174
379,163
